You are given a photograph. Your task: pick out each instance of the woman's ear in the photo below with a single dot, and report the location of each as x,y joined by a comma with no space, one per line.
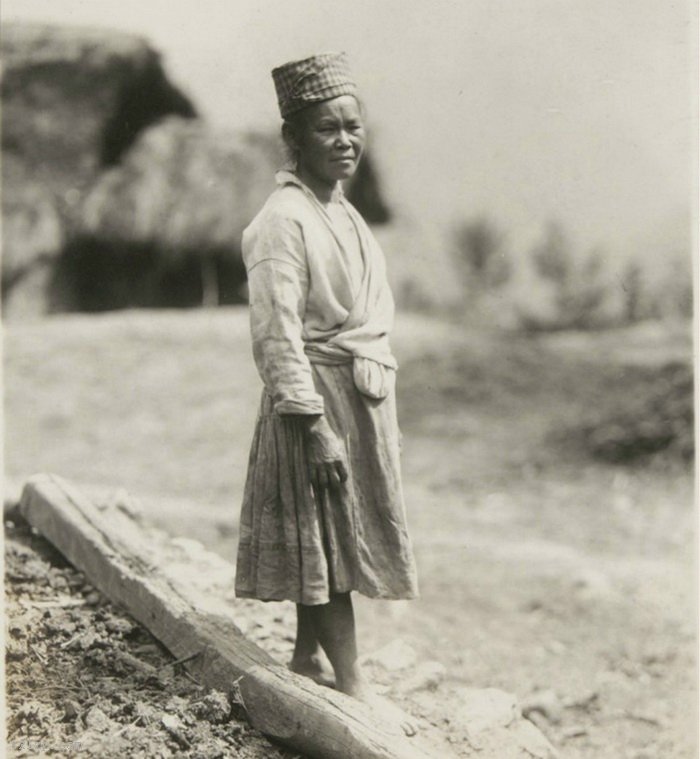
289,135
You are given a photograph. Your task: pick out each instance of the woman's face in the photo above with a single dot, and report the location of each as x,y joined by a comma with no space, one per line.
330,142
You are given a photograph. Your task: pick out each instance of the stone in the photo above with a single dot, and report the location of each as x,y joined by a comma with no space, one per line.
427,676
544,702
533,741
484,709
97,720
493,727
214,707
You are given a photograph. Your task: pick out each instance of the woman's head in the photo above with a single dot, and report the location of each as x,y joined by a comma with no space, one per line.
323,126
326,140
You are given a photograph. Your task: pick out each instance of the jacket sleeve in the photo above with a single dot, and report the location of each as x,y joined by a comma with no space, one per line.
278,286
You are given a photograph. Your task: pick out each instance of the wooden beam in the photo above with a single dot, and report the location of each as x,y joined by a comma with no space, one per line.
120,558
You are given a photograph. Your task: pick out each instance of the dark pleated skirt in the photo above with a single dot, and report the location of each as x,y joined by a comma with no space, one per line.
293,547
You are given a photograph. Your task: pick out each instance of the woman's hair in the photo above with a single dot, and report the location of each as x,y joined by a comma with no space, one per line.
292,128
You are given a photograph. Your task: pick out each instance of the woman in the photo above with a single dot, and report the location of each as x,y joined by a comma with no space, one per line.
323,510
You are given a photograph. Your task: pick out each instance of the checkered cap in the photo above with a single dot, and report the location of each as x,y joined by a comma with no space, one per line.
320,77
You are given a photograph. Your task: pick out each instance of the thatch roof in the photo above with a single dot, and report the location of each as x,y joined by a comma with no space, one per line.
183,187
74,99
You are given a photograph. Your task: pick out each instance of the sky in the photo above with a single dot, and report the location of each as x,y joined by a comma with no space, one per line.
525,111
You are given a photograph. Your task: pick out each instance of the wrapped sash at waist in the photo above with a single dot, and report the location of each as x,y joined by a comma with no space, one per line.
327,355
371,378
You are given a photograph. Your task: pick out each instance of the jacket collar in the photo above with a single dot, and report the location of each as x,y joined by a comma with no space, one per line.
286,176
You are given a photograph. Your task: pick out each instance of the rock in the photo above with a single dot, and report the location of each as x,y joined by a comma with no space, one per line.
17,626
585,702
56,579
544,702
490,722
213,749
427,676
176,705
171,722
539,721
146,712
214,707
15,650
85,640
71,709
175,728
97,720
193,549
393,657
125,502
119,626
484,709
533,741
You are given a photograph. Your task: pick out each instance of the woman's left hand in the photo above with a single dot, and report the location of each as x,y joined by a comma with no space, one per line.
327,459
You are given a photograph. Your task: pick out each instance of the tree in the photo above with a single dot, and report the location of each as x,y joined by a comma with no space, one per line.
481,254
633,291
552,258
578,283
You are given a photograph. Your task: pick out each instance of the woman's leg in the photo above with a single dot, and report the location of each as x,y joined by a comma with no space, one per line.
334,623
308,658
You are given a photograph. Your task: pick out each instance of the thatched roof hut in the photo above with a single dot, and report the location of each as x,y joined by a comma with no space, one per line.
164,226
182,187
73,100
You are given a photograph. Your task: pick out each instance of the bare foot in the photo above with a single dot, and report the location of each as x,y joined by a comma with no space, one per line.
382,708
314,669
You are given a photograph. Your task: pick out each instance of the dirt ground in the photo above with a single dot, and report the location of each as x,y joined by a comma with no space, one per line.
566,581
82,677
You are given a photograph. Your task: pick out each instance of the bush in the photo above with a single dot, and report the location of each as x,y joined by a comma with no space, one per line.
481,255
578,284
655,415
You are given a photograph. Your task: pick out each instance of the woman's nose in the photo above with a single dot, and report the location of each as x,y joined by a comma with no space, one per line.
343,138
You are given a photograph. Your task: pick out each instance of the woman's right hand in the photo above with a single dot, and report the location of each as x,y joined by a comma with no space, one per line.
327,458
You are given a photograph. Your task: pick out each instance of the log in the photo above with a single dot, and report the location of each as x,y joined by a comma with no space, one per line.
117,556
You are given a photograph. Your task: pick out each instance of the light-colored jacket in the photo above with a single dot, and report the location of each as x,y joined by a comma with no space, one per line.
307,302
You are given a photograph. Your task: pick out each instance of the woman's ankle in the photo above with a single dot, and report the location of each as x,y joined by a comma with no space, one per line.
350,679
